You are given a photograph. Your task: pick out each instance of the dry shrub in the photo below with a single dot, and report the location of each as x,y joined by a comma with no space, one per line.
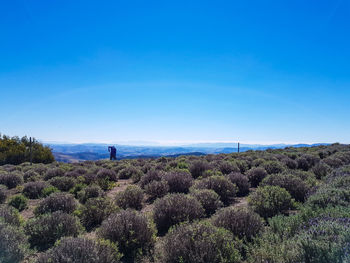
57,202
130,230
131,197
175,208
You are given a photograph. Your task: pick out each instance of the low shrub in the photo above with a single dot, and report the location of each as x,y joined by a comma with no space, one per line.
92,191
45,230
221,185
152,175
307,161
33,190
107,173
31,176
57,202
325,240
129,172
290,163
271,247
198,167
10,215
325,197
95,211
77,188
131,231
227,167
333,162
157,189
243,223
175,208
209,200
77,249
90,178
241,181
13,244
11,180
273,167
321,170
256,175
179,181
131,197
49,190
293,184
269,200
197,243
53,172
3,195
63,183
20,202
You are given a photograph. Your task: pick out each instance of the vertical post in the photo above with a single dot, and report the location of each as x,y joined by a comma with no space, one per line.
30,147
238,147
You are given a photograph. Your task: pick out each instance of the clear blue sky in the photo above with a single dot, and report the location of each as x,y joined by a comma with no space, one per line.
176,71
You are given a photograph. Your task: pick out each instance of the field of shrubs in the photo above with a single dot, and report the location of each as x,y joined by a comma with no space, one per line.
274,206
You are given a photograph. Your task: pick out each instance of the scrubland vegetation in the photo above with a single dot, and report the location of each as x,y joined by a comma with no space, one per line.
273,206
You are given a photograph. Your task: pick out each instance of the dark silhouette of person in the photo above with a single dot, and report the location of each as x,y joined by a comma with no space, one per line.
113,153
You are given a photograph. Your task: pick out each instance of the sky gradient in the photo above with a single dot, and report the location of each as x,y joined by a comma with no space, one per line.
176,71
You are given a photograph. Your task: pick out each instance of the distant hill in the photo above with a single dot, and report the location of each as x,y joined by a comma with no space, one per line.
92,151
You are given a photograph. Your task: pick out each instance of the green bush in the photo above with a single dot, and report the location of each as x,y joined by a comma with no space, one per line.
197,243
49,190
14,151
81,250
19,202
132,232
243,223
131,197
209,199
297,188
221,185
45,230
175,208
13,244
57,202
95,211
268,201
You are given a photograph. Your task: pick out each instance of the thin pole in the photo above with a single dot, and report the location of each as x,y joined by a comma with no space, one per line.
30,146
238,147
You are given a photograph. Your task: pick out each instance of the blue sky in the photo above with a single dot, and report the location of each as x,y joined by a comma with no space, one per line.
176,71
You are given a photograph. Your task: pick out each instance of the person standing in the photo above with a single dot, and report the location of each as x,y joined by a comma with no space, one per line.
113,153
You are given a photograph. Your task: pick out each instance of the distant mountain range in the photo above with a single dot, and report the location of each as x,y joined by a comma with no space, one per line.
96,151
